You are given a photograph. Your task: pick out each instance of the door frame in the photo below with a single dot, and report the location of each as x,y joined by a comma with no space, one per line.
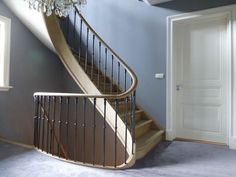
230,11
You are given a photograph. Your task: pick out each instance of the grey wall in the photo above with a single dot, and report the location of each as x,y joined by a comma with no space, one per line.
33,68
137,32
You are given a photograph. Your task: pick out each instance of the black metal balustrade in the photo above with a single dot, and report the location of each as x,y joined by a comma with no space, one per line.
64,121
104,67
71,126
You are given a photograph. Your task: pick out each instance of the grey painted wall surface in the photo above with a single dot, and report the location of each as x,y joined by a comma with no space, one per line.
33,68
137,32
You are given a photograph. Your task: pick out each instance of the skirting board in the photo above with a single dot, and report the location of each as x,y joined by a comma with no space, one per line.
170,136
232,143
16,143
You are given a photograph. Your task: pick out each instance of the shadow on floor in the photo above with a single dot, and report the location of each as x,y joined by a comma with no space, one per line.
179,153
155,152
10,151
168,159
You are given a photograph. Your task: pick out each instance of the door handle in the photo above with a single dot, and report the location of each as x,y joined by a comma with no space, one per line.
178,87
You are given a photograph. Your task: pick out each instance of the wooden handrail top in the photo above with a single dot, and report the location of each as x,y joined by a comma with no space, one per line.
107,96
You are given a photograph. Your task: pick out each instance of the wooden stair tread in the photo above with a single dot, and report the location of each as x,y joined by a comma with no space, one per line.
142,126
101,77
136,113
142,122
138,116
122,104
148,138
108,88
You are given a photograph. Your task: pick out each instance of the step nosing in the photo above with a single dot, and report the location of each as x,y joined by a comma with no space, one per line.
149,140
143,123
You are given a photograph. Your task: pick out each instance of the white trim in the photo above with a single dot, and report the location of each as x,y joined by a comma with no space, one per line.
232,142
16,143
170,135
7,88
170,104
7,29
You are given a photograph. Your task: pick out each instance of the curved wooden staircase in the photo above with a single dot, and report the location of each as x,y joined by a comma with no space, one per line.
147,132
102,127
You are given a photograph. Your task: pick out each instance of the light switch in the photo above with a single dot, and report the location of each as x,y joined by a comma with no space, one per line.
159,75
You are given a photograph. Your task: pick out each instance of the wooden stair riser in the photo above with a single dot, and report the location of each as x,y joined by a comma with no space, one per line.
140,130
101,77
138,117
147,142
108,88
90,68
122,106
95,70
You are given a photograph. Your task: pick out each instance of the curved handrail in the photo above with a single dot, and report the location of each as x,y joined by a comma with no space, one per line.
116,56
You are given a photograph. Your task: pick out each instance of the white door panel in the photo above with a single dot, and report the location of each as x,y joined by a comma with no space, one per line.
194,115
201,73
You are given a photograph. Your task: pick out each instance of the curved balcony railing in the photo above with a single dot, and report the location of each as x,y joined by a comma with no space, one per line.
91,129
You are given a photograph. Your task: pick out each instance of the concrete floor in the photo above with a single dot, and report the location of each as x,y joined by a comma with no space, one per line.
175,159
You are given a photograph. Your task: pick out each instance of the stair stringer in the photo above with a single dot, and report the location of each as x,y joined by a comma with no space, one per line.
87,86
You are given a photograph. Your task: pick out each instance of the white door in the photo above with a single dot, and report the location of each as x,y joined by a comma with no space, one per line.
202,79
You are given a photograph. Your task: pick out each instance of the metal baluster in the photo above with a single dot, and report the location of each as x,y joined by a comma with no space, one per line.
133,119
99,63
112,72
67,123
117,111
63,25
125,79
93,57
48,121
53,125
39,120
104,132
131,108
105,74
84,126
68,29
43,119
36,116
118,77
60,115
74,32
76,129
94,128
80,39
87,45
126,125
